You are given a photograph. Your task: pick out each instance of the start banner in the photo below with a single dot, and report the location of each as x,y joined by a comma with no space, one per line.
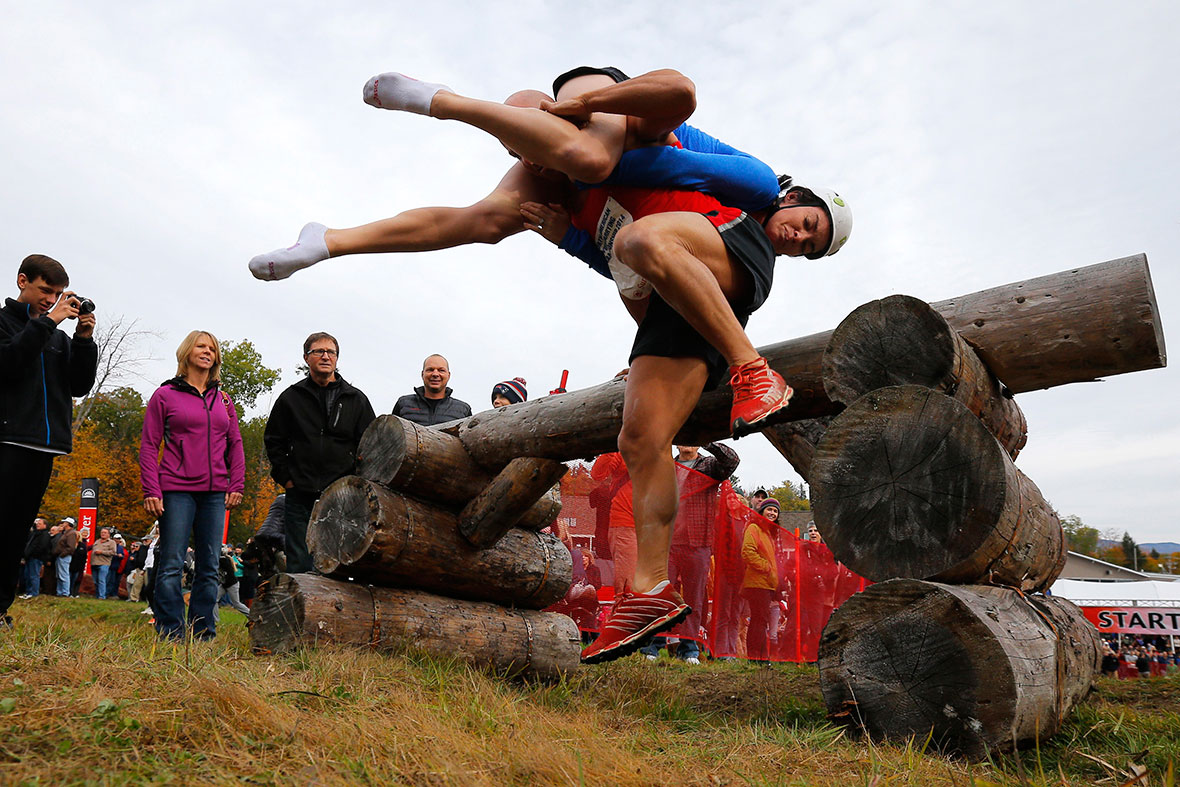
1134,620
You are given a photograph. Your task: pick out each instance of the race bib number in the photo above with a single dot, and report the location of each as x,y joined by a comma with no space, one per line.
614,217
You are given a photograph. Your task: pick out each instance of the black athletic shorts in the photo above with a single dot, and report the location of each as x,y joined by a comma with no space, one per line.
582,71
666,334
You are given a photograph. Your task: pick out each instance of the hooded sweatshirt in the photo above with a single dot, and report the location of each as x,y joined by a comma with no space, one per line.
201,442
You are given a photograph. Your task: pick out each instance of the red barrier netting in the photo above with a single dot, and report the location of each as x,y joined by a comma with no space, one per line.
757,590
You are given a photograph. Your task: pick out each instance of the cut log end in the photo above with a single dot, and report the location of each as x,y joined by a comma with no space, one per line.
343,523
976,669
907,482
276,616
874,348
382,449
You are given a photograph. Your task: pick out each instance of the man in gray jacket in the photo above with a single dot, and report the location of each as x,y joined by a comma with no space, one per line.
432,402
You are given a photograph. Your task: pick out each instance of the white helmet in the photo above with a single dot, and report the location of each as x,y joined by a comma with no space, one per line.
838,213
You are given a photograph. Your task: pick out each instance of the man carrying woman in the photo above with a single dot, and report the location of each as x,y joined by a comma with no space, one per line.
190,483
690,268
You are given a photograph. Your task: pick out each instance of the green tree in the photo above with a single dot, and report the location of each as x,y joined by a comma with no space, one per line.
243,375
791,497
246,379
1079,537
1131,558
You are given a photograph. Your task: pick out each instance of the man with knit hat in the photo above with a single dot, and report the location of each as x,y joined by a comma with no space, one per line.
509,392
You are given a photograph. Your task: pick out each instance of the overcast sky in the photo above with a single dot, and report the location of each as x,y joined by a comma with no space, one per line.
154,148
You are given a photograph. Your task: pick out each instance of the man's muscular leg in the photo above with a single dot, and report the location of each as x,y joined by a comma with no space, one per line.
684,258
661,394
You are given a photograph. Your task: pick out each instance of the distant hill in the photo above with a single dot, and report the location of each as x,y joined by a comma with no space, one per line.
1163,547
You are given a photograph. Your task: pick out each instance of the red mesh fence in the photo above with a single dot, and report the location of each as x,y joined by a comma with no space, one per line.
757,590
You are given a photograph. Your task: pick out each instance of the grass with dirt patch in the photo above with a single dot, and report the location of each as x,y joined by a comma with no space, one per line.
88,695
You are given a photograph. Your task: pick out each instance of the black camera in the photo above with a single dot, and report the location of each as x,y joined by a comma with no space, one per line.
85,305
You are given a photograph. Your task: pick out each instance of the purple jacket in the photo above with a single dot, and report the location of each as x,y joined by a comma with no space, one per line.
202,444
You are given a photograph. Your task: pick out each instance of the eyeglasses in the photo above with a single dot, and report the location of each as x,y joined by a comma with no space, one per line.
321,353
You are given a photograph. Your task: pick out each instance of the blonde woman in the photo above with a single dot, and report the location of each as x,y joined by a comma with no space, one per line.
189,484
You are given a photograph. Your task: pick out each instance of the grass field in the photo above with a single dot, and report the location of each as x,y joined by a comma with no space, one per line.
88,695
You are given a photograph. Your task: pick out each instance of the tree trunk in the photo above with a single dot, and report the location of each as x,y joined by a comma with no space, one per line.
901,340
501,504
907,482
305,610
362,530
979,669
1067,327
796,441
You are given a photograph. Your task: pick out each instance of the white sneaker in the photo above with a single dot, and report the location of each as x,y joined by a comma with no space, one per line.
650,657
26,596
147,611
693,660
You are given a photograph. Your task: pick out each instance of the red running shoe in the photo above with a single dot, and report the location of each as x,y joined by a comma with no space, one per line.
636,618
758,391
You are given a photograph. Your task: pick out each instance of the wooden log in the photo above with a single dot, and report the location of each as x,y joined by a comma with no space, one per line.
433,465
428,463
796,441
544,512
362,530
1073,326
501,504
306,610
979,669
901,340
907,482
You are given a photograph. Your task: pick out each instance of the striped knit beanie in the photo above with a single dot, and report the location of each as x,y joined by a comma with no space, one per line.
513,390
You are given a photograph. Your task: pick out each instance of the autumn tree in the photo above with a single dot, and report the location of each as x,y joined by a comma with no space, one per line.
1079,537
791,497
243,375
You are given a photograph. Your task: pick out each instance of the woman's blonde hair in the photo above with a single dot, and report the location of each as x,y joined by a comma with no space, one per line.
186,347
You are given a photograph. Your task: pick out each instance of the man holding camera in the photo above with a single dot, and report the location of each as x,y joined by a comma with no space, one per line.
41,371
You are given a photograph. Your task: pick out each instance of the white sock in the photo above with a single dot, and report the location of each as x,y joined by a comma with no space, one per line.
281,263
657,589
398,91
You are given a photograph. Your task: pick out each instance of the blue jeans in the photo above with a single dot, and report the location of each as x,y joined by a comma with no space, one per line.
100,579
201,515
62,564
32,576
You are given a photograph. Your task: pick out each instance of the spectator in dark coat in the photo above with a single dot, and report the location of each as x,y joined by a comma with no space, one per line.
37,554
432,403
311,439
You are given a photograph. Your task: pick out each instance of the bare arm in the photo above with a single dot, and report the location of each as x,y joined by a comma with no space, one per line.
657,103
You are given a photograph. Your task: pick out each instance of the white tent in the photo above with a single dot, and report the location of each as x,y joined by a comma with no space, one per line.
1150,593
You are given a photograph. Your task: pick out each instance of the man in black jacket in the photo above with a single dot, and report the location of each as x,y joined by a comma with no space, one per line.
432,402
37,554
41,370
311,439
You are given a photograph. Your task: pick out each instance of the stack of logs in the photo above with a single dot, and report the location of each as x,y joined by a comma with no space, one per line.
914,487
914,479
426,548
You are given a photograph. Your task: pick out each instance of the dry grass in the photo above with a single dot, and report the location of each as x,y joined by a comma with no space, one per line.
88,695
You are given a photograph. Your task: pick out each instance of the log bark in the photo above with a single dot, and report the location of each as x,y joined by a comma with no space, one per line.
362,530
901,340
1073,326
433,465
501,504
429,463
980,669
544,512
907,482
306,610
797,440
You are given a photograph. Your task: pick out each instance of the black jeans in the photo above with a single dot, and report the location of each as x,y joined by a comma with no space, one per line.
299,505
24,475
